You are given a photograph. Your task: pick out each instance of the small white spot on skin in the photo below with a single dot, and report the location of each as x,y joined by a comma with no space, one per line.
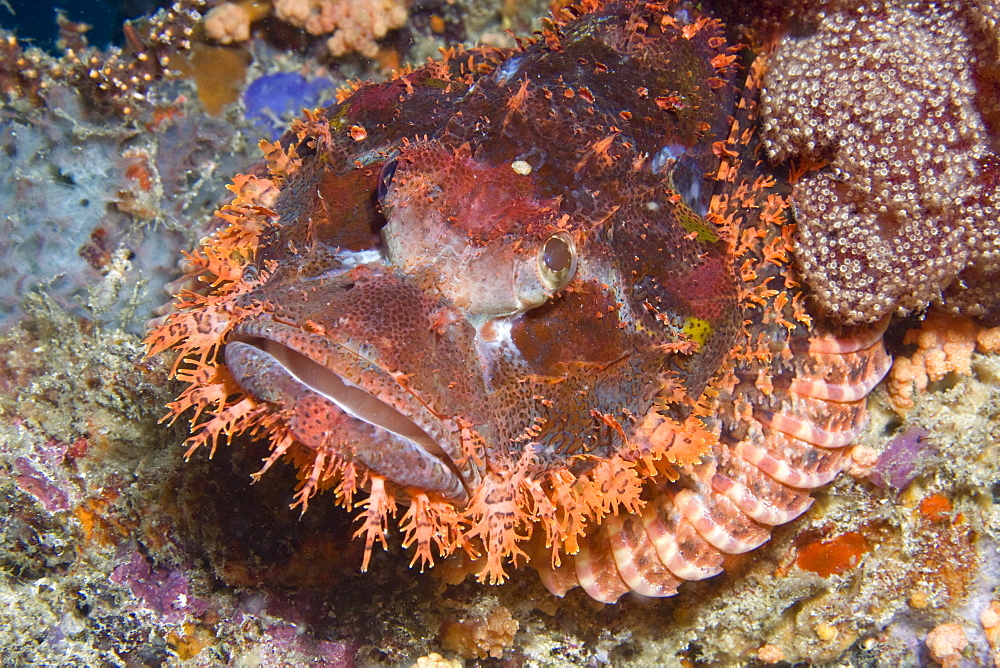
652,205
508,69
521,167
492,337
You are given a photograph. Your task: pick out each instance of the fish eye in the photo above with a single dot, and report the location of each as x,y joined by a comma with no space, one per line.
385,179
557,261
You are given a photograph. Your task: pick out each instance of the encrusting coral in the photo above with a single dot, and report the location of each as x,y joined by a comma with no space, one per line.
351,25
895,107
480,634
435,660
770,654
990,620
107,166
230,21
945,344
946,643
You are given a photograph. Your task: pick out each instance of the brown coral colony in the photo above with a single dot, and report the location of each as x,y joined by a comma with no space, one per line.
901,209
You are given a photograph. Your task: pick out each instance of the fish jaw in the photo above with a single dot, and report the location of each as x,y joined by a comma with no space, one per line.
370,368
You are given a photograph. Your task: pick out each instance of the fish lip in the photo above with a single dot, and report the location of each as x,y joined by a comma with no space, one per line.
265,333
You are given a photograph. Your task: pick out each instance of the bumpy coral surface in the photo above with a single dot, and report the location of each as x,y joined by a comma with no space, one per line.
539,304
351,26
896,104
945,344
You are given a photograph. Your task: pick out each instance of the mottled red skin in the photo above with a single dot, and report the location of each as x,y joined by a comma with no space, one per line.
400,243
444,137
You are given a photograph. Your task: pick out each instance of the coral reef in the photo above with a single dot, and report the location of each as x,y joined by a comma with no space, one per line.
901,456
770,654
117,550
218,73
894,108
68,457
96,212
114,551
946,643
990,619
230,22
370,28
435,660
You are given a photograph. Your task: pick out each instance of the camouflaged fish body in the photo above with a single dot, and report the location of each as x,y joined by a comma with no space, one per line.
535,302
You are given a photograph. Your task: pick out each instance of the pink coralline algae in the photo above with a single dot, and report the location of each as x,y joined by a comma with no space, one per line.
38,484
40,473
899,462
165,591
897,104
286,644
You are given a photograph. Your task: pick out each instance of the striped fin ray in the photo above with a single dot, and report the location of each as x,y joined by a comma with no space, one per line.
791,399
758,476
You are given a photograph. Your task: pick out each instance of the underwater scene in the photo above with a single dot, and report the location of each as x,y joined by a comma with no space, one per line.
451,333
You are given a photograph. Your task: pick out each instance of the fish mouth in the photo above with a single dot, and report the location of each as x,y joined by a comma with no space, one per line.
397,437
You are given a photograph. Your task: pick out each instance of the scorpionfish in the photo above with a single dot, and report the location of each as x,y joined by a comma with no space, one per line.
532,305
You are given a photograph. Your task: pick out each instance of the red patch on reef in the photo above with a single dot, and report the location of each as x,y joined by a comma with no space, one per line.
936,508
835,556
78,448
